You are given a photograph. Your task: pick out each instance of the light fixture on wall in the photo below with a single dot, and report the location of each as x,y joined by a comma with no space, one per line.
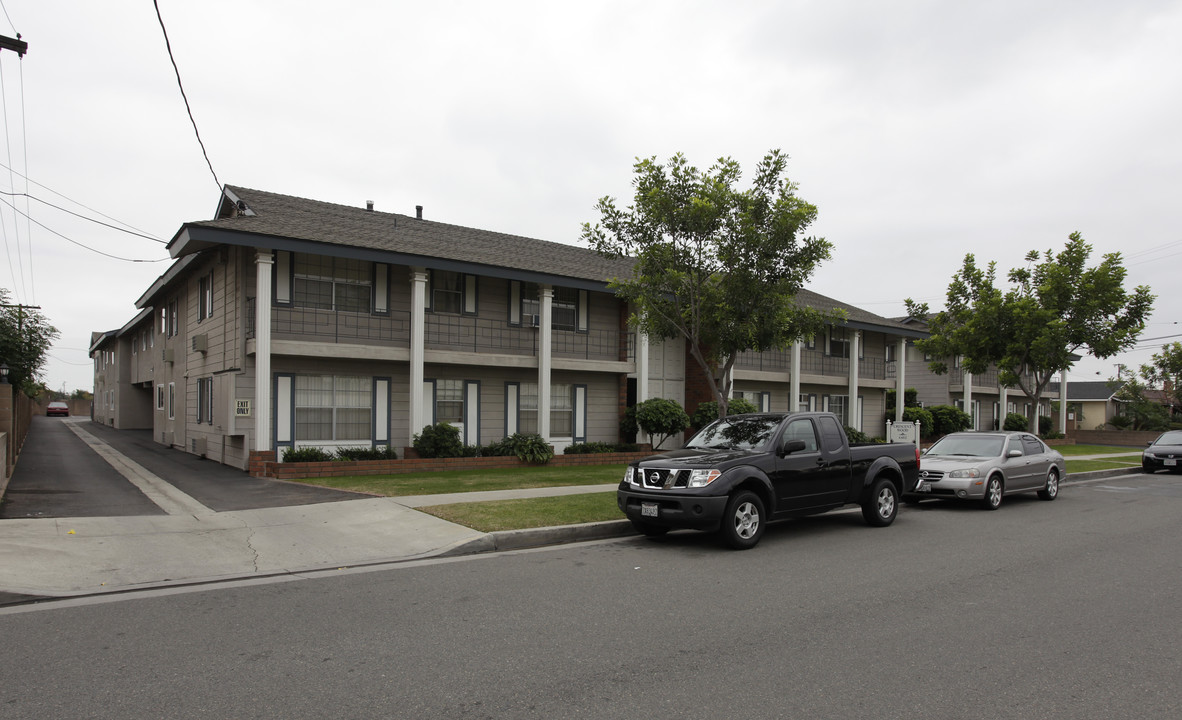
4,373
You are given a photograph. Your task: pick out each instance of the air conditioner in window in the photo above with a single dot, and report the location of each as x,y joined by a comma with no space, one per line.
200,343
166,355
533,320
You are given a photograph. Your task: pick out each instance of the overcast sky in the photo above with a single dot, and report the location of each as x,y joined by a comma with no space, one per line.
922,130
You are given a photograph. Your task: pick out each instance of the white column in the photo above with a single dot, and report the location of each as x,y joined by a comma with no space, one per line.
642,370
794,381
262,350
418,337
853,417
1063,401
544,340
1002,401
900,379
968,395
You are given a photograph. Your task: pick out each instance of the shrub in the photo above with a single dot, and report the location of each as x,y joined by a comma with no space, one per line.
707,412
856,436
661,419
1044,425
599,447
948,419
1016,422
927,426
440,440
530,448
367,453
306,454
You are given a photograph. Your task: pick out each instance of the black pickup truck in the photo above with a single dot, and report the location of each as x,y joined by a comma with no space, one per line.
744,470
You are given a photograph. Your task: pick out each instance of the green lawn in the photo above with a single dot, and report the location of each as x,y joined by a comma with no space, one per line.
458,481
1078,466
531,512
1069,450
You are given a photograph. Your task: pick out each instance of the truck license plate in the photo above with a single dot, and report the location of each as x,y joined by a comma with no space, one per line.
648,509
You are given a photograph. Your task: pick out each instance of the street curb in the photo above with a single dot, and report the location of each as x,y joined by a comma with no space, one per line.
502,540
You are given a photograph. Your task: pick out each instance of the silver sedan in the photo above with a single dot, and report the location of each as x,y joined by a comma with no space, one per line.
986,466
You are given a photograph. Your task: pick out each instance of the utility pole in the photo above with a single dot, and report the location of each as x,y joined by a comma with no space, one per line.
18,46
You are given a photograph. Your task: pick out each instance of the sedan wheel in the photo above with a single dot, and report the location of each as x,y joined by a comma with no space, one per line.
993,492
1051,490
742,525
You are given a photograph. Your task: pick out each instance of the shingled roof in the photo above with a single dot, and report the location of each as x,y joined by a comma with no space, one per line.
255,218
265,219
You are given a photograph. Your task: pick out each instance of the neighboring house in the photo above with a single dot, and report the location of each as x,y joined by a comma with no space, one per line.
981,396
288,322
1090,404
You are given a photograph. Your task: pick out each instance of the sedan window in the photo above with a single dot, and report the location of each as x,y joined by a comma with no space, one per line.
1170,438
968,445
1015,444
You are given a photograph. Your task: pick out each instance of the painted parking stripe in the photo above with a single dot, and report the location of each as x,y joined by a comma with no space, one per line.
166,497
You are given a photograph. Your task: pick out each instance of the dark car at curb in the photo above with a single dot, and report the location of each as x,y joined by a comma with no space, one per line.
1164,453
740,472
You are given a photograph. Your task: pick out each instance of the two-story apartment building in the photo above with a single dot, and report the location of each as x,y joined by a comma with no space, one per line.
290,322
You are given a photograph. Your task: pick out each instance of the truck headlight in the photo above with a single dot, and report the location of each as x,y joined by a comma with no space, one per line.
968,473
702,478
628,475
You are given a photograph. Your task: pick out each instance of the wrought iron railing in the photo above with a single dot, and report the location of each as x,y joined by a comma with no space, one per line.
471,334
592,345
767,361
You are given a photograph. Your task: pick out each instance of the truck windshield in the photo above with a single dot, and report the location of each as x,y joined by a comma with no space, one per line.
740,432
969,445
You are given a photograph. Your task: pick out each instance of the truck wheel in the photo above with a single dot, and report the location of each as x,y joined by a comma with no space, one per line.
882,505
993,492
649,530
1051,490
742,524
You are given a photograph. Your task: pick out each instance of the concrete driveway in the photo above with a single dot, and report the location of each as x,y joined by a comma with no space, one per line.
62,472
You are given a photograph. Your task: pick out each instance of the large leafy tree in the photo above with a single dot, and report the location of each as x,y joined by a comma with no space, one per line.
716,265
25,339
1055,307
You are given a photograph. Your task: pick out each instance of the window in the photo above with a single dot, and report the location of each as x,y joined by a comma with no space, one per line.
205,400
171,400
173,318
761,400
160,397
332,408
562,410
839,343
327,283
449,401
164,321
527,408
565,309
447,292
205,297
801,430
891,350
1015,444
837,406
806,403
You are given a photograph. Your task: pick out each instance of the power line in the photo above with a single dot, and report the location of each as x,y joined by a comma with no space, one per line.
15,226
188,109
78,215
79,204
75,242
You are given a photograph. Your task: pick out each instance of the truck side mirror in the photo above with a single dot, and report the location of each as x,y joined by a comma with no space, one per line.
792,446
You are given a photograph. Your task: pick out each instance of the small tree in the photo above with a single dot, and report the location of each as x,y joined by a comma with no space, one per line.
716,265
441,440
1166,372
661,419
707,412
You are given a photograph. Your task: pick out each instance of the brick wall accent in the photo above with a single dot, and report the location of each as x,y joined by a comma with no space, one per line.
697,385
294,471
1130,438
260,462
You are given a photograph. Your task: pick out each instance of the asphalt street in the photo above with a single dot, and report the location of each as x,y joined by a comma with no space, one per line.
1064,609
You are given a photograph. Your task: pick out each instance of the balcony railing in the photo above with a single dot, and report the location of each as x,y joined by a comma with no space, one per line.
443,332
814,362
470,334
592,345
986,379
767,361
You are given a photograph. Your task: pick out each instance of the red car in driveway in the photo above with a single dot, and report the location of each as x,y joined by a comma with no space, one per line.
59,409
